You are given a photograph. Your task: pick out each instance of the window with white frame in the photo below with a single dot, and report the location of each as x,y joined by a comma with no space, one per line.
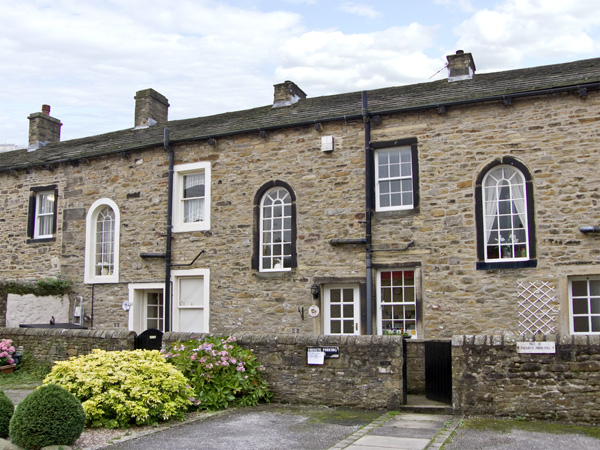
505,215
397,301
276,246
191,197
191,300
102,243
394,180
42,213
584,305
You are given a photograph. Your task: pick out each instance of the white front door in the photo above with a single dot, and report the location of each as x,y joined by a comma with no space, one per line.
342,309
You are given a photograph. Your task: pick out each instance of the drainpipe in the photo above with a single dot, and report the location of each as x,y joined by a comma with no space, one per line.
368,212
167,299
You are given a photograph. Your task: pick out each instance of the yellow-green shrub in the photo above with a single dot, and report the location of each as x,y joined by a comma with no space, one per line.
119,389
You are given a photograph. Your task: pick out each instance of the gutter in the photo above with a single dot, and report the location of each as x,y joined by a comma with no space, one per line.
355,116
369,176
167,295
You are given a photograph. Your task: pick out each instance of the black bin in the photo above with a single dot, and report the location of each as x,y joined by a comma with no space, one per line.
151,339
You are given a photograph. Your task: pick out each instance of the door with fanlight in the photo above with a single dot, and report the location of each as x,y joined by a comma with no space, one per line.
341,309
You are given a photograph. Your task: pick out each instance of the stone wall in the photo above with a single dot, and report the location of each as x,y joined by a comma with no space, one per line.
415,367
491,378
368,373
56,345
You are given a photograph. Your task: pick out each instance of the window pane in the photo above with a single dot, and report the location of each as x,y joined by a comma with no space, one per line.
348,326
193,185
191,291
579,288
336,327
335,311
580,306
595,288
581,324
349,311
334,295
193,210
595,323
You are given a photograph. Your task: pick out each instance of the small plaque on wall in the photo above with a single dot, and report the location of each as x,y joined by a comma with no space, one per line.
536,347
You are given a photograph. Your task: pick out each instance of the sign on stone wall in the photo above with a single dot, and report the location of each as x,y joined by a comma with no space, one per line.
317,355
536,347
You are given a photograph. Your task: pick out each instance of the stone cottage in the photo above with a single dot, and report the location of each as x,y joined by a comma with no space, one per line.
460,206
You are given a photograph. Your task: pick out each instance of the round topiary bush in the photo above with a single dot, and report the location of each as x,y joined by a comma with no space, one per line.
6,411
123,388
50,415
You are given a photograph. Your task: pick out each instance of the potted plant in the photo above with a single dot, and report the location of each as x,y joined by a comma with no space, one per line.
7,350
398,332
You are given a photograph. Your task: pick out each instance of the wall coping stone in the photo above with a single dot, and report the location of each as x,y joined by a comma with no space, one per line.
510,340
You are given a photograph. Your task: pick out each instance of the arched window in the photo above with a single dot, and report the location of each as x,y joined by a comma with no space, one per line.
275,248
505,214
102,243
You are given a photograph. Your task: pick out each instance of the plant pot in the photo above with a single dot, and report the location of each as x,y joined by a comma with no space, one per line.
10,368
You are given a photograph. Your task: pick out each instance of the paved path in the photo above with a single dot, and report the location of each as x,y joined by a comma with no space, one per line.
402,431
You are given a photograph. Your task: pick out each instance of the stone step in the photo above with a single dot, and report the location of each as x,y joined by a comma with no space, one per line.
427,409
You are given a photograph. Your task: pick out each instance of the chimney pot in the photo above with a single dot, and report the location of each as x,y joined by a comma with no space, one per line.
46,109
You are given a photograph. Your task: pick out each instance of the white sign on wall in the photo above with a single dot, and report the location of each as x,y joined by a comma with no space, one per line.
536,347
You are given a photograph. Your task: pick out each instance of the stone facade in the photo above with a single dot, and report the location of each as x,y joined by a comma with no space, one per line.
554,136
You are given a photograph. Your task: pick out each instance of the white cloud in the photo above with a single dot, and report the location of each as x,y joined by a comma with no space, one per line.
517,30
360,9
87,60
333,62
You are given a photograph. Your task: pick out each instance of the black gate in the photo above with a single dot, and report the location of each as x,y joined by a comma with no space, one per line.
438,371
151,339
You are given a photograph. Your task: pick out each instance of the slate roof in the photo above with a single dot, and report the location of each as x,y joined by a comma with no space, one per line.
483,87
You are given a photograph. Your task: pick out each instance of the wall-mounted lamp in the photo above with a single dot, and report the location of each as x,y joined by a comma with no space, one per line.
583,92
441,110
314,290
318,126
212,141
262,134
589,229
376,119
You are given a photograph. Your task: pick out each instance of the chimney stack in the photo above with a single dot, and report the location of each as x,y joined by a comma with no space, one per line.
460,66
151,108
43,129
287,93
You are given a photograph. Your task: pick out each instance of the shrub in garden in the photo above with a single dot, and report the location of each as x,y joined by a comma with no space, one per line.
124,388
6,411
220,371
7,350
48,416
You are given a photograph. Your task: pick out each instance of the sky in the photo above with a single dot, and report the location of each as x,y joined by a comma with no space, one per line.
88,58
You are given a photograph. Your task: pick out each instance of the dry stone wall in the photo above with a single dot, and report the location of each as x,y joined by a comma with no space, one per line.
491,378
367,374
51,345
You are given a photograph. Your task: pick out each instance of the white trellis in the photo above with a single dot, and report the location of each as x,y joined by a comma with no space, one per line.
537,314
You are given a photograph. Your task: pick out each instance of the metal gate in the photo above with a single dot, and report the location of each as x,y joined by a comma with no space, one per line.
438,371
151,339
